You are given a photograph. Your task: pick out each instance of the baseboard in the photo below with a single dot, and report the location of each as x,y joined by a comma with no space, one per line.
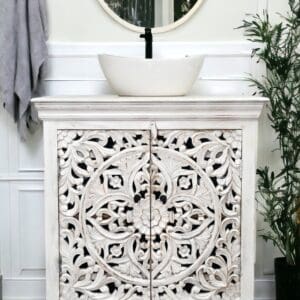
265,288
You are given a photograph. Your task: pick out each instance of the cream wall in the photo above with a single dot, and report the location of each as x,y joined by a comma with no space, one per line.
85,21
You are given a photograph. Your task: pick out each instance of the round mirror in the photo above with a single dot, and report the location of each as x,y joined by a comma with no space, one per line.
160,15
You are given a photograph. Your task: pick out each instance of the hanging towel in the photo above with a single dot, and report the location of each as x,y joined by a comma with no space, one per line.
23,53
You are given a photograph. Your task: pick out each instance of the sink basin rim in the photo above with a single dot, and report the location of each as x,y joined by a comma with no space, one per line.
158,58
161,76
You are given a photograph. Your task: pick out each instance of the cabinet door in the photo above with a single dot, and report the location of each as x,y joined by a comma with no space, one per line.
104,206
141,221
195,213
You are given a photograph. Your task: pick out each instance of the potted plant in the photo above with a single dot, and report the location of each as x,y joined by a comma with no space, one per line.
279,192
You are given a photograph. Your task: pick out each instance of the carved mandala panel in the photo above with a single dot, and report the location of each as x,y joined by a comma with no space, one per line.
149,216
196,177
103,190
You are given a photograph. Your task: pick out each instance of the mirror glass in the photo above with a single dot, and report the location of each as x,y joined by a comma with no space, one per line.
150,13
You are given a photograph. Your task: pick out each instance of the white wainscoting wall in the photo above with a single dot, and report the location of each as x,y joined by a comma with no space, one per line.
73,69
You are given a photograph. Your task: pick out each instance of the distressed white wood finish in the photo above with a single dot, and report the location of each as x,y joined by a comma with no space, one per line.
137,213
51,211
145,109
103,187
193,112
196,179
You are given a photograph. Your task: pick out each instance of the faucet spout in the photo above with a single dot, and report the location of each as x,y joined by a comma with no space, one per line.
148,42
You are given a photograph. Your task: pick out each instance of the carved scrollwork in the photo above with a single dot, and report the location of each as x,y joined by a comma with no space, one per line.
103,254
149,220
199,181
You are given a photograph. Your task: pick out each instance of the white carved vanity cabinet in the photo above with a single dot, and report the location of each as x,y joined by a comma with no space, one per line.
150,198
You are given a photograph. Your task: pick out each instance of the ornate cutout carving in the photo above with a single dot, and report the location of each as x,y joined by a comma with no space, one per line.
196,176
141,222
103,189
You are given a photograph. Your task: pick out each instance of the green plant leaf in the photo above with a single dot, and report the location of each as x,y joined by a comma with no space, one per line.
279,193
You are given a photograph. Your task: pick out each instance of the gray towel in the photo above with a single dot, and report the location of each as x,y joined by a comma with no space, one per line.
23,53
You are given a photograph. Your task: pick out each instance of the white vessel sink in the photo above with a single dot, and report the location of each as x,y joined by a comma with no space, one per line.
130,76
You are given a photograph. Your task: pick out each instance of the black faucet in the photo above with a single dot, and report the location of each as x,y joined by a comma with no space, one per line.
148,39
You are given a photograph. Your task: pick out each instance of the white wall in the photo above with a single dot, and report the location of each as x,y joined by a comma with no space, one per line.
85,21
83,27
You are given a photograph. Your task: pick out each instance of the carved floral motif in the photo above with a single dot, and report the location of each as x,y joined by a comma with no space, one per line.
149,220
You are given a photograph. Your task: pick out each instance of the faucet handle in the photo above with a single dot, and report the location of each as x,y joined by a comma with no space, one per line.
148,40
147,34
